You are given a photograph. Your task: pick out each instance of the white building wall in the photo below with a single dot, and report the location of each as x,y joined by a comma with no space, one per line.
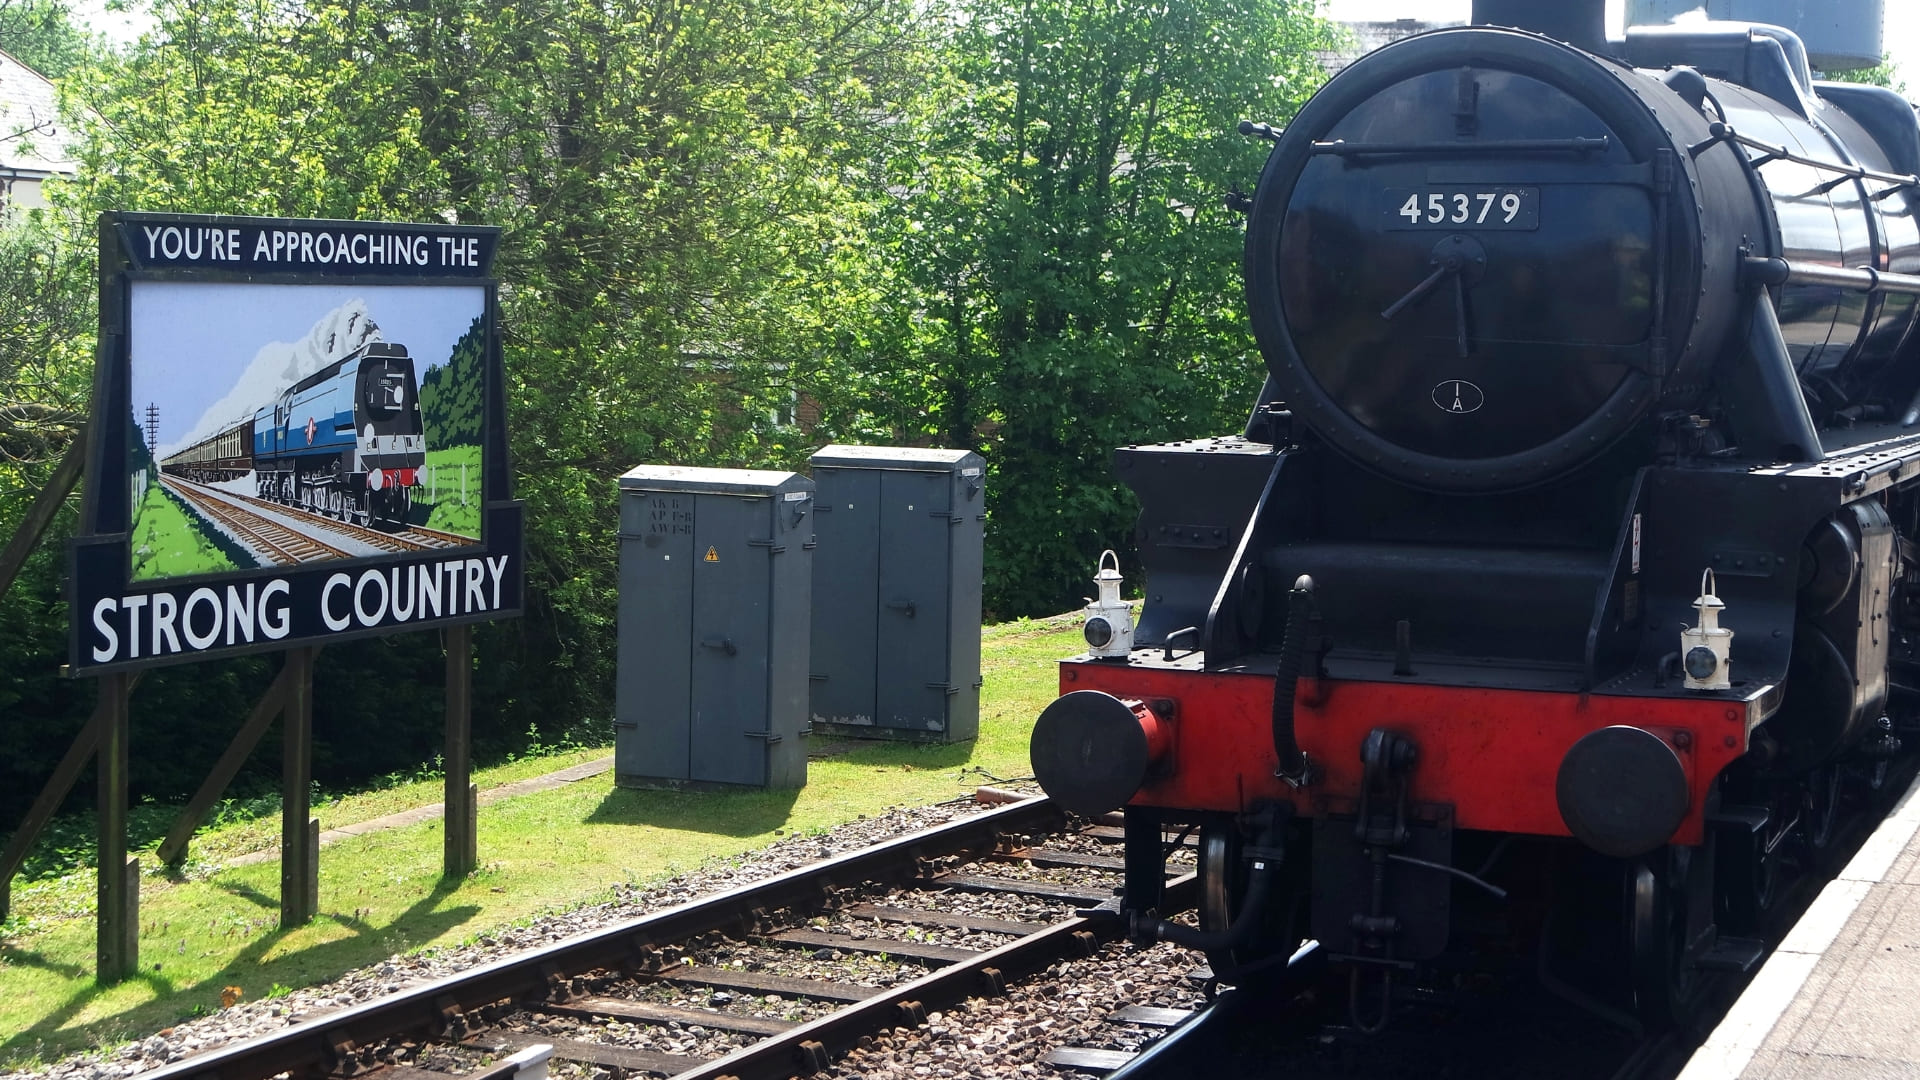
32,139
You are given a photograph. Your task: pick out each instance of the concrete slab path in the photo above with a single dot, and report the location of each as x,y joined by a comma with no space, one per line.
1840,998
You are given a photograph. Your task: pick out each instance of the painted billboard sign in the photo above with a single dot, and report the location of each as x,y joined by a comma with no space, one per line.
298,434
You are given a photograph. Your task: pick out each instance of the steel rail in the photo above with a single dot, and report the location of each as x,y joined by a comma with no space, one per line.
334,1041
434,538
266,532
812,1045
412,538
353,530
1198,1038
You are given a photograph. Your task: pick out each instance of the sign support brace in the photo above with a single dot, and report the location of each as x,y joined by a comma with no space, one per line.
273,701
65,775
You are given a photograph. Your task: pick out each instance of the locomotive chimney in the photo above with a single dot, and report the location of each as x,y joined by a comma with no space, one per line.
1580,23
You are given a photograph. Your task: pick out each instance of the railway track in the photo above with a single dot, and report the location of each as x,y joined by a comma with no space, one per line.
782,977
427,538
283,545
415,538
878,962
1508,1027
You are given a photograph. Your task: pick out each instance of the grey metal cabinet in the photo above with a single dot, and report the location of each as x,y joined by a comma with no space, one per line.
715,584
897,578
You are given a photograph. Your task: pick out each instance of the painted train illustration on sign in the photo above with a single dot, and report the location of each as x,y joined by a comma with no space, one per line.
356,438
346,442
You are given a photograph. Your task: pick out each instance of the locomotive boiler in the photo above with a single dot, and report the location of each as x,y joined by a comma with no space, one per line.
1559,584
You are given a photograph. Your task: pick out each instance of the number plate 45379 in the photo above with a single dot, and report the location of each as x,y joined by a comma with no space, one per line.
1459,207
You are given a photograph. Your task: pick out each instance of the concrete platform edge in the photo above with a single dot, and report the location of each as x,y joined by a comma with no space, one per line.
1726,1053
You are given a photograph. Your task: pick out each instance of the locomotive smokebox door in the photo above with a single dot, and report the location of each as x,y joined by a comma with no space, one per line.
897,580
715,582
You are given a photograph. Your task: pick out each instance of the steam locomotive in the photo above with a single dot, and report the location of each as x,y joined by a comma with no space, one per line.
345,442
1561,586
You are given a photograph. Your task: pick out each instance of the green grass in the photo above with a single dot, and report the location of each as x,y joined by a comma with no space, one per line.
168,540
208,927
446,511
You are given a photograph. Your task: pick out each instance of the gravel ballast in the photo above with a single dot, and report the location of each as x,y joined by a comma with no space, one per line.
986,1038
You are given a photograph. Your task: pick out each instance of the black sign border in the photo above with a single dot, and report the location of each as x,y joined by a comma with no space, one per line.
105,517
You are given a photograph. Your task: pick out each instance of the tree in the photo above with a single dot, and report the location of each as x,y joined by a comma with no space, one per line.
1884,74
42,35
46,327
682,186
1069,276
450,394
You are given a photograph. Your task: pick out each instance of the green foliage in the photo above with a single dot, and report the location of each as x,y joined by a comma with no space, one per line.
452,394
68,842
43,35
993,225
1068,275
1884,74
46,332
169,540
449,492
682,189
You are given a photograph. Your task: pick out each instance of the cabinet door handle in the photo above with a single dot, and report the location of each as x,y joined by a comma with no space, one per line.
721,642
902,605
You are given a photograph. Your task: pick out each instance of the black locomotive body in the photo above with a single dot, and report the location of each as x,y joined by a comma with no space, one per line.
1551,336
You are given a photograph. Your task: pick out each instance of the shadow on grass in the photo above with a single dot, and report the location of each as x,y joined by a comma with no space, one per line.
420,922
755,812
248,893
917,755
727,813
31,958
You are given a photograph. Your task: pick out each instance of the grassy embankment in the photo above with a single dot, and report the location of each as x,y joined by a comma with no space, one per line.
167,540
208,927
452,504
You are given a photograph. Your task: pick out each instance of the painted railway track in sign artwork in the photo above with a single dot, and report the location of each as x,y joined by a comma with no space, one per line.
413,538
283,545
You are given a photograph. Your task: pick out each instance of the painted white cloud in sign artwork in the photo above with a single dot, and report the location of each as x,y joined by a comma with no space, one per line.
279,365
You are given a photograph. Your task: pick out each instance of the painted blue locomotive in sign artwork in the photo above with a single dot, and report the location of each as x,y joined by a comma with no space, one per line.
347,441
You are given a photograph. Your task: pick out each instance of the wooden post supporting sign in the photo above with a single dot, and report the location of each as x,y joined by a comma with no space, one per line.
49,799
117,931
40,513
299,832
462,797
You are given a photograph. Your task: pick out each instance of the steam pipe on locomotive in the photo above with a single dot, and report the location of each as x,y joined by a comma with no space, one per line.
1552,337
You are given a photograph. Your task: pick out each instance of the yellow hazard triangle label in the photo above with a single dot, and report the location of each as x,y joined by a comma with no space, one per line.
713,555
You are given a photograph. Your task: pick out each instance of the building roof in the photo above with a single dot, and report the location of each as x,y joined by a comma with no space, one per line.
32,141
